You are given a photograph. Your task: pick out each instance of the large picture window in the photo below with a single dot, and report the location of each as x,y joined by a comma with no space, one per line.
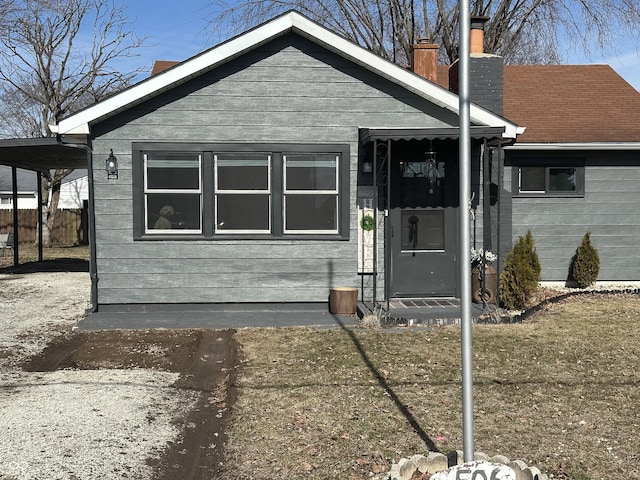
538,178
222,191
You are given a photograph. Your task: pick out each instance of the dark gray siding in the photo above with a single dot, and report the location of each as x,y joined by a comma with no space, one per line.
288,91
609,210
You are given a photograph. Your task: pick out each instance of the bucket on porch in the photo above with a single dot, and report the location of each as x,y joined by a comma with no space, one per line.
343,300
490,284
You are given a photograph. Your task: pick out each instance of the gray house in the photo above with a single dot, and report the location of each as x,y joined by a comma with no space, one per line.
576,168
242,174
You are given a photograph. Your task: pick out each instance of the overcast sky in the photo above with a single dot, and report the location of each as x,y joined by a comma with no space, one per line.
177,30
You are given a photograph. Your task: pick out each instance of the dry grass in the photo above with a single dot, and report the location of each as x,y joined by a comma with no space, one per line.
560,391
28,253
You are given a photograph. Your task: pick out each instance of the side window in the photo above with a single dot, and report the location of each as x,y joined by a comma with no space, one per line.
172,192
533,178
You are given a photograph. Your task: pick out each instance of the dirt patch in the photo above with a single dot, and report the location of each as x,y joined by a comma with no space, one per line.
206,361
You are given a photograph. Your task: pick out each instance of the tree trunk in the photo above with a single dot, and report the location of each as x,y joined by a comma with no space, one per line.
51,198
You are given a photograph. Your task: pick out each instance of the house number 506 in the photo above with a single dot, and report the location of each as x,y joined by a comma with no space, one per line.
463,474
477,471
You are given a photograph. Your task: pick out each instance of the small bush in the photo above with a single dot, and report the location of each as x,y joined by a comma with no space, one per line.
585,264
520,275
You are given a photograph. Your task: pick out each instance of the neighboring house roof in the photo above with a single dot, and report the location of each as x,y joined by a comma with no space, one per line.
160,66
568,104
80,123
27,180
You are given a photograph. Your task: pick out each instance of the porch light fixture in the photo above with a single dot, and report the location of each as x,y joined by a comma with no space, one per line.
111,166
366,164
430,155
432,166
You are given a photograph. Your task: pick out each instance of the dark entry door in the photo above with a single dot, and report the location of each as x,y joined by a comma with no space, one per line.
422,239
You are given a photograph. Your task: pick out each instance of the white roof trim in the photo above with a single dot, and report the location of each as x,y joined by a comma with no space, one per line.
575,146
81,121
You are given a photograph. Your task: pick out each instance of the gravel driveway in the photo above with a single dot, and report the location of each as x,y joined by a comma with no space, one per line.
75,424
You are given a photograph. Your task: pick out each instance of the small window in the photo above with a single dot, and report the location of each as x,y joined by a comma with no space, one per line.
532,179
543,180
172,192
422,230
311,193
242,193
563,180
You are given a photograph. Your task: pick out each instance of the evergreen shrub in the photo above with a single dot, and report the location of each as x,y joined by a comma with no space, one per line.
585,264
520,275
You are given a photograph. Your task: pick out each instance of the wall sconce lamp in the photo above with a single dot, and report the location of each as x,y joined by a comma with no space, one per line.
111,166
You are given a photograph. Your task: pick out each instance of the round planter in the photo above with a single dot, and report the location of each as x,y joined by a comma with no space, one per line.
343,300
490,278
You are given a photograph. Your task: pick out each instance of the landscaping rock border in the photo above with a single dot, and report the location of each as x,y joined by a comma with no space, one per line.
435,462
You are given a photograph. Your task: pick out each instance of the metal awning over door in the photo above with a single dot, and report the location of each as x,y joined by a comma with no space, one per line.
383,134
391,139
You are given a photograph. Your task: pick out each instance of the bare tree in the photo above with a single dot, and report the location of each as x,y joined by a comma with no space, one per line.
522,31
56,56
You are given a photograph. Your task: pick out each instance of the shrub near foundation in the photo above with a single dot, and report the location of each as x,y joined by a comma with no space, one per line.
586,263
520,275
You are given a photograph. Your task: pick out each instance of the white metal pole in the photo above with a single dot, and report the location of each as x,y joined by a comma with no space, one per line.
465,232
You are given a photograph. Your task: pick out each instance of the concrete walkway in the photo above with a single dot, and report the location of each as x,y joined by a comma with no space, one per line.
401,313
213,316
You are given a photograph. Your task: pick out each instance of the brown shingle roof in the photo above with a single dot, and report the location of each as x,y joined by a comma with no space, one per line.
568,103
571,103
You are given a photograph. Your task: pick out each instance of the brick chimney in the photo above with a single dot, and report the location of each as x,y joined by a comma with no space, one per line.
486,71
476,34
424,61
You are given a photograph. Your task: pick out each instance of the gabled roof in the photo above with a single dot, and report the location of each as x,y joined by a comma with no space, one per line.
80,123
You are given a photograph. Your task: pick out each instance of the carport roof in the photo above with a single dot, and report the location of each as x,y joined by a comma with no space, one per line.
41,154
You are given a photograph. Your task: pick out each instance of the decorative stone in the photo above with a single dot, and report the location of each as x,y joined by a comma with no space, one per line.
500,459
439,466
434,462
534,472
481,456
480,470
407,468
394,474
518,466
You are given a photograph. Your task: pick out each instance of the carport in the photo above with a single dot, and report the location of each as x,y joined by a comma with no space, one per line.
42,155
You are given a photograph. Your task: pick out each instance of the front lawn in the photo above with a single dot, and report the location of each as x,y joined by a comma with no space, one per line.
560,391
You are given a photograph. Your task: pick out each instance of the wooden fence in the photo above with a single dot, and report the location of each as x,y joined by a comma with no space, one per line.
70,228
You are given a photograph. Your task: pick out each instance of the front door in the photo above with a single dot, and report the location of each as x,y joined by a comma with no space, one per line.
422,236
